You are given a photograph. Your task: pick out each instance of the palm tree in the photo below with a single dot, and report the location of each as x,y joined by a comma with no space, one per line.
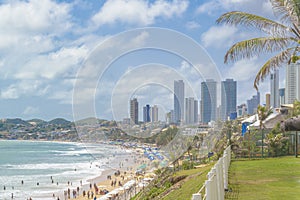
263,113
283,36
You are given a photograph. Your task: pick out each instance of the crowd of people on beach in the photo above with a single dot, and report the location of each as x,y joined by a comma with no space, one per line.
122,174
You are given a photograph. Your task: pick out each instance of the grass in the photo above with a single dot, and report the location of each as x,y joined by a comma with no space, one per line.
182,190
272,178
192,185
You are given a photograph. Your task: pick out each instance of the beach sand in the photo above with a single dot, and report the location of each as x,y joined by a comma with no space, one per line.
127,168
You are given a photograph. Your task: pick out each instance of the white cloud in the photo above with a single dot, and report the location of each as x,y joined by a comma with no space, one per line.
34,15
140,12
52,65
208,7
64,96
213,7
30,110
244,70
26,88
219,36
192,25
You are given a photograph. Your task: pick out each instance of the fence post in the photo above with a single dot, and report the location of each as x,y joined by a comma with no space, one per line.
225,169
208,190
220,178
197,197
217,179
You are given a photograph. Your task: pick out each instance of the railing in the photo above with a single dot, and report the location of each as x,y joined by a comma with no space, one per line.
217,180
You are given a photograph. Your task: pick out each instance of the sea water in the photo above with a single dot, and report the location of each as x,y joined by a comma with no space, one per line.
46,168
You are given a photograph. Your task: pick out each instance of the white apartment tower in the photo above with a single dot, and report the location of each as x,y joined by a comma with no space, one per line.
191,111
154,113
274,96
292,83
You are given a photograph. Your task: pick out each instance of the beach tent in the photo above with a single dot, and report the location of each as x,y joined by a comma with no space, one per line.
247,122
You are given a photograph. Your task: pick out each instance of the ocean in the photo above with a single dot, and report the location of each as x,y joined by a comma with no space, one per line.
47,167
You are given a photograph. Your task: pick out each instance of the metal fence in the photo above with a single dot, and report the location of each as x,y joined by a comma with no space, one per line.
217,180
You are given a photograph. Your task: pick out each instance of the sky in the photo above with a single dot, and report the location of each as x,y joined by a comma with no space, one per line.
81,58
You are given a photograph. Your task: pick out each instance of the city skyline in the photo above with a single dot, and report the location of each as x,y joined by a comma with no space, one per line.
40,58
208,103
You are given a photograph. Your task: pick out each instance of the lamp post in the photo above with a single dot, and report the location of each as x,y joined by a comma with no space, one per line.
262,142
296,145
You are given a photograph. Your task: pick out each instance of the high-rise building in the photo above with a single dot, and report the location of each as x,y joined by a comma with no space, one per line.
154,113
146,113
170,117
228,98
253,103
241,110
191,110
134,111
292,83
268,100
282,96
196,113
208,100
178,101
274,97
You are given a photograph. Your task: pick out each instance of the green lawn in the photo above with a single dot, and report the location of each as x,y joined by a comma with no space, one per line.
272,178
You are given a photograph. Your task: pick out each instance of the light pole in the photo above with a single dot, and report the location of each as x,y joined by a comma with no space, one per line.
262,142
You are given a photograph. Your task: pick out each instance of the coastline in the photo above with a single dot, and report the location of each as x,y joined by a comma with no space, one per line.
125,159
99,167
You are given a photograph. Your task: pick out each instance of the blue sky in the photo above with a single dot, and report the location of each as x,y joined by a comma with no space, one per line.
45,44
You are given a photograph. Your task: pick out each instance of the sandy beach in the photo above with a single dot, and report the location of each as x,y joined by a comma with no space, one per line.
113,183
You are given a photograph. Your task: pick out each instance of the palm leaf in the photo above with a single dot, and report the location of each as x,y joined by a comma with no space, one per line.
251,20
255,46
273,63
287,10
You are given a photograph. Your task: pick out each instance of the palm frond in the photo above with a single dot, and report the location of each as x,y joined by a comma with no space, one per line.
287,10
250,20
256,46
273,63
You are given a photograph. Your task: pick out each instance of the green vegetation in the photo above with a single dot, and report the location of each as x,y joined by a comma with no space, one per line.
160,139
191,185
272,178
179,185
296,109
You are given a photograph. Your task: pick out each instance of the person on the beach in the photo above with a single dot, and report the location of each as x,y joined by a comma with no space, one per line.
22,182
69,193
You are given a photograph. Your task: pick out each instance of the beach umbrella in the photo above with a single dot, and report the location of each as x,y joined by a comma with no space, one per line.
143,166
